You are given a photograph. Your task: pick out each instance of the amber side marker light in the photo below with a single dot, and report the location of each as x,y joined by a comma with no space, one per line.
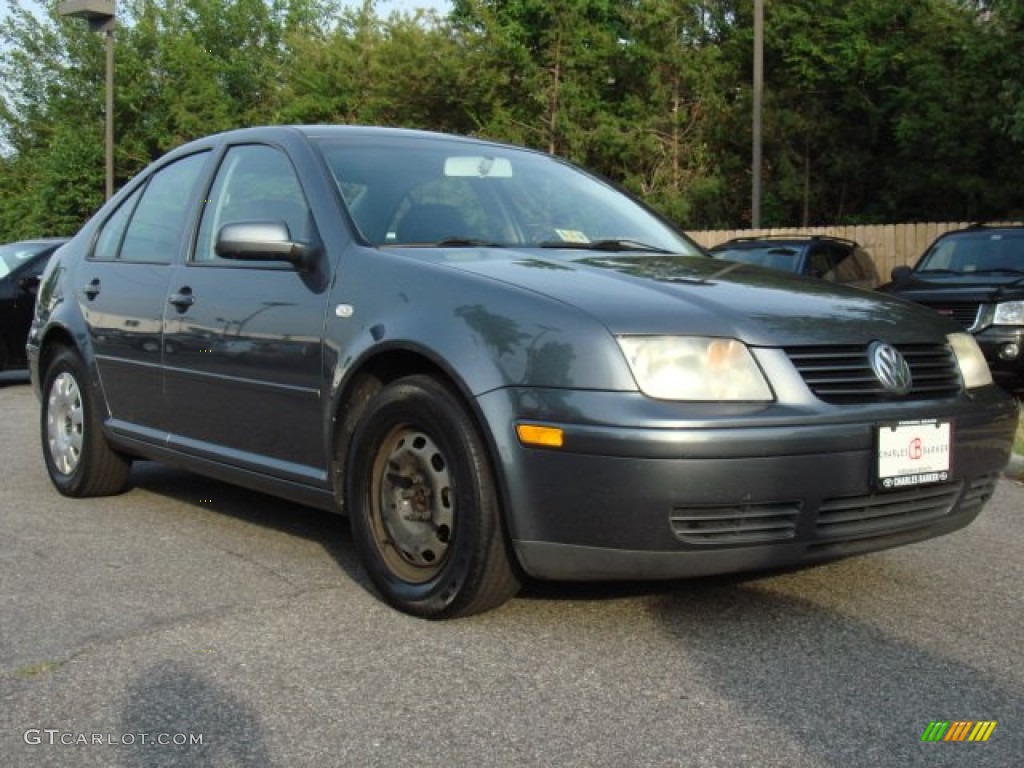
532,434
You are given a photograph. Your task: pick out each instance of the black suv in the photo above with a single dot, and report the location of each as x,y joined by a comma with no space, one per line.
829,258
976,276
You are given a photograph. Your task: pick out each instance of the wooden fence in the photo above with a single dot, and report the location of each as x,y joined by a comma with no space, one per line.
890,245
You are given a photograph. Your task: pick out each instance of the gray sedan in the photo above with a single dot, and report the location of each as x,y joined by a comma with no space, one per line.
499,367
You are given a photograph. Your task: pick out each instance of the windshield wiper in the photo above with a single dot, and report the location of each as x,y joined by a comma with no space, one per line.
451,242
937,272
604,245
998,271
467,242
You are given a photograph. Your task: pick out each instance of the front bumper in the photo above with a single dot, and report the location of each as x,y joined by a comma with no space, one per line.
753,491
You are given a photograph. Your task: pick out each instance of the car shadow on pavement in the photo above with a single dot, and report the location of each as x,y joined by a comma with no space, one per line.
844,689
570,591
171,706
329,530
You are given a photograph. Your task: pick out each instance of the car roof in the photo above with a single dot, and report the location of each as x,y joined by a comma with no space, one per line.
983,230
38,241
754,241
340,131
285,133
795,239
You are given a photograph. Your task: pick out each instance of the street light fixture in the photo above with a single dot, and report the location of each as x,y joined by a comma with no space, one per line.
755,192
101,17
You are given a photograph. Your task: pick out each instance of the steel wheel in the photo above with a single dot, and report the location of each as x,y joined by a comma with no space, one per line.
413,511
423,504
64,423
78,458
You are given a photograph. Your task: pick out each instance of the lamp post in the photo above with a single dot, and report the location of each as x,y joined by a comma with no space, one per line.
101,17
755,192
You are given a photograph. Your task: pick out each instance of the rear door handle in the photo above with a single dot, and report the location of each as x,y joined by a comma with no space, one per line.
183,299
92,290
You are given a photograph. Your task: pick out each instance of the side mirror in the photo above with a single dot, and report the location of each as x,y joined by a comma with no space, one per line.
263,241
902,274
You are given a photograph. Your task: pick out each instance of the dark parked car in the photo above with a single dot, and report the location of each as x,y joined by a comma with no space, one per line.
976,277
828,258
21,264
498,367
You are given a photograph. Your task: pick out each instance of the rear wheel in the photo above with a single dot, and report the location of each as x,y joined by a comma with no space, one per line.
423,505
78,458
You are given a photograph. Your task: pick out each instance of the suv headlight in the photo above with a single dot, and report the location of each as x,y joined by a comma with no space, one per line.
970,359
694,368
1009,313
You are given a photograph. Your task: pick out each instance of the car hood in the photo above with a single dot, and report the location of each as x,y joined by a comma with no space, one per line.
966,288
666,294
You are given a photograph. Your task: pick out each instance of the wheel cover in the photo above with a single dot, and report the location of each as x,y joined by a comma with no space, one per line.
412,504
65,423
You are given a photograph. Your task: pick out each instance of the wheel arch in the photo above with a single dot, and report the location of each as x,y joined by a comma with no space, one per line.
376,370
56,337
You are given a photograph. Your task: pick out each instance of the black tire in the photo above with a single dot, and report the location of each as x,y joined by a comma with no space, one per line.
423,506
78,458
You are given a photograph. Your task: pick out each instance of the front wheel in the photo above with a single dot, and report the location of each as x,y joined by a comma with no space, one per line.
78,458
423,505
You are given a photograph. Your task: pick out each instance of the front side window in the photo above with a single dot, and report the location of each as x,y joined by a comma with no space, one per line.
254,183
155,230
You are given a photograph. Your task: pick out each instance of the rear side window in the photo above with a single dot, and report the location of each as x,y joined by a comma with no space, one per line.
158,222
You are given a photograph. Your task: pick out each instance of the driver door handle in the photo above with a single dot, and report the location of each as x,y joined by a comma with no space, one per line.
183,299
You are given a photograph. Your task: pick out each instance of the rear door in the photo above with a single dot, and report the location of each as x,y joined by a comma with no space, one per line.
244,358
122,287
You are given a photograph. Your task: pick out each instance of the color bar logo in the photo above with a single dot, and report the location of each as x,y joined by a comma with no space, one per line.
958,730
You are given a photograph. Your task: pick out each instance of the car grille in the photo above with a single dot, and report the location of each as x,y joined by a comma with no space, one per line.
736,524
880,513
965,313
842,374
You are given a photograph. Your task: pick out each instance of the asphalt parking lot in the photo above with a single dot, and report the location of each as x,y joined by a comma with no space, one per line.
189,609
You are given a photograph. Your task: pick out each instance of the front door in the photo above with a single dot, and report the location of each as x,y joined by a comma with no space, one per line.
243,340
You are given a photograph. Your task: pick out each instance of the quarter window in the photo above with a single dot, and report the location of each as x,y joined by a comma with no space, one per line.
109,242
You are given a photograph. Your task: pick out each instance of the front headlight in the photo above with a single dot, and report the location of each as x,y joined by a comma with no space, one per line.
970,359
694,368
1009,313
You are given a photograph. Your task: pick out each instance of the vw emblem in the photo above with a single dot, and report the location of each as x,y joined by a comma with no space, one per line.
890,367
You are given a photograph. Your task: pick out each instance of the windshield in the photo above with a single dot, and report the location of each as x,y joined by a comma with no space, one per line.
424,191
784,257
981,252
14,255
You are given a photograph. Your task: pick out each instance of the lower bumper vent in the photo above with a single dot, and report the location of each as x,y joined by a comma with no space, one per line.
742,524
880,513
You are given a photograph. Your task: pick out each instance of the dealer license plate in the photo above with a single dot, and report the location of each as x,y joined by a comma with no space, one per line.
913,453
